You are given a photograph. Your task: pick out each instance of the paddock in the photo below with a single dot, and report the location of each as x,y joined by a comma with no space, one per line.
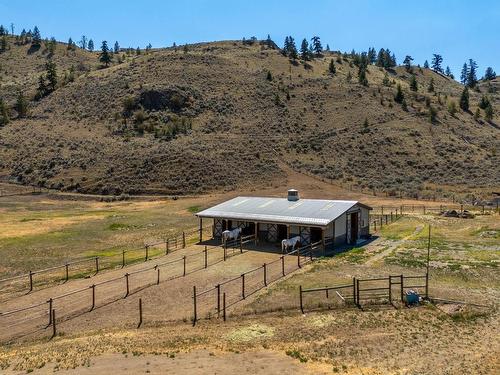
270,220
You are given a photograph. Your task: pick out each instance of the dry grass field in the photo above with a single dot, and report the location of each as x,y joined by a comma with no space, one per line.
266,333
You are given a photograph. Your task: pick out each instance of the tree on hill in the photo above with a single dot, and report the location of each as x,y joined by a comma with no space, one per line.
269,42
116,48
362,75
21,105
91,45
304,50
316,46
327,49
292,49
488,113
3,44
51,70
4,114
464,74
51,46
36,37
105,56
3,30
471,75
484,102
399,97
437,60
426,64
430,88
464,99
331,67
449,73
385,59
83,42
372,55
489,74
286,46
407,62
413,83
71,44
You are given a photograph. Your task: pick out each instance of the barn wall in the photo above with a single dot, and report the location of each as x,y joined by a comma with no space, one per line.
340,230
365,224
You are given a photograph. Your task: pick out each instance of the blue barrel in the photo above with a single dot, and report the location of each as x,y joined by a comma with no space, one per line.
412,297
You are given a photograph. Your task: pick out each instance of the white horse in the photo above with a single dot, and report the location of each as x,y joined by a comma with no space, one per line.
231,234
285,244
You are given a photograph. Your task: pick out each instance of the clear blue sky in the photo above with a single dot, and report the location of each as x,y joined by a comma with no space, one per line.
457,29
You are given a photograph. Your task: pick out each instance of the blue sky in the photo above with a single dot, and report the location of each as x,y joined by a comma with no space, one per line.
457,29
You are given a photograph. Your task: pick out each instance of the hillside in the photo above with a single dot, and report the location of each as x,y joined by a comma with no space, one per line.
209,118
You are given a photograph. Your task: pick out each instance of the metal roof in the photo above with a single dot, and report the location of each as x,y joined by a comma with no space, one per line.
313,212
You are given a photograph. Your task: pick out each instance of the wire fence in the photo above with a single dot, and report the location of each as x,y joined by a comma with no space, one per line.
26,283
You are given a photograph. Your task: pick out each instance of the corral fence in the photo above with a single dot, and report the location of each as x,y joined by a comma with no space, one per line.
363,291
36,317
214,302
28,282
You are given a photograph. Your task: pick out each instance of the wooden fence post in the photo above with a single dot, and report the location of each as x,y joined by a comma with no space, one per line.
265,274
401,279
93,297
67,271
224,306
241,246
50,311
243,285
158,275
283,265
391,217
184,263
166,246
354,290
300,299
123,258
147,252
375,222
195,313
298,258
427,285
183,240
31,281
225,250
357,293
218,300
326,290
206,257
140,313
96,265
54,329
127,286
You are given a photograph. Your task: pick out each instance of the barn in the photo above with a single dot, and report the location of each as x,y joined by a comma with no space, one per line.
270,219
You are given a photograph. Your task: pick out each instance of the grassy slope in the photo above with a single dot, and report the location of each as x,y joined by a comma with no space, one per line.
82,143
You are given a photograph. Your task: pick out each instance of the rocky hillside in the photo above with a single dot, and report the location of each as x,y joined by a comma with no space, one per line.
227,114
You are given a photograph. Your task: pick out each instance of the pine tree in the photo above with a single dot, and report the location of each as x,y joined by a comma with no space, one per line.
426,64
464,100
327,49
3,44
404,106
464,74
21,105
269,76
477,114
399,97
331,67
386,81
413,83
50,67
105,56
91,45
488,113
316,46
452,108
4,114
407,62
269,42
286,46
489,74
304,50
372,56
36,37
471,75
437,60
116,49
448,72
484,102
362,75
430,88
41,91
292,49
70,44
83,42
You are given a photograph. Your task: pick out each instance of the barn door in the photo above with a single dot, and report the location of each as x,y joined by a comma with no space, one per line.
348,228
272,233
218,228
305,235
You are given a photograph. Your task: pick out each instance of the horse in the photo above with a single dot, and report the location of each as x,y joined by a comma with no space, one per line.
231,234
286,243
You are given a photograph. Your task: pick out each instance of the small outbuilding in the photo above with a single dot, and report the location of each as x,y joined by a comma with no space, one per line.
335,222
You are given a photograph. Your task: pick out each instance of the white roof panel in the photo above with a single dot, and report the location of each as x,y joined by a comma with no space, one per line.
313,212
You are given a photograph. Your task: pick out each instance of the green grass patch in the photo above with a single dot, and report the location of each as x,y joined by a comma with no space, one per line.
194,209
119,226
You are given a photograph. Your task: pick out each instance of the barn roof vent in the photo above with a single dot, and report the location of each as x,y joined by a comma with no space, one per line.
293,195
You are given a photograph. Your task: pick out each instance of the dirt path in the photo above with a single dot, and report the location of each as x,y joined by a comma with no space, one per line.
389,249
